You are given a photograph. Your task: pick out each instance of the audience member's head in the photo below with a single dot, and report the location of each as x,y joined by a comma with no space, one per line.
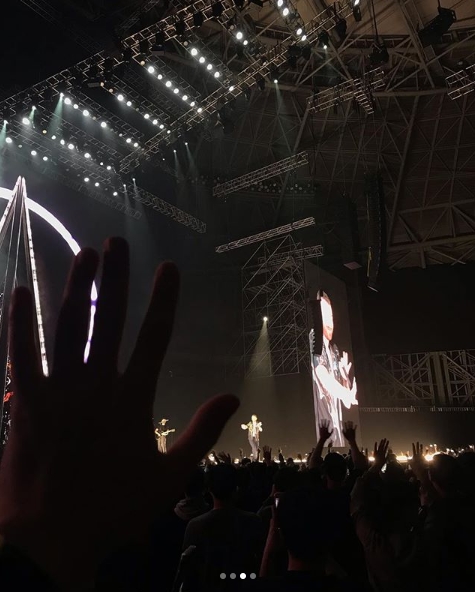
285,479
334,469
196,484
222,482
305,523
445,474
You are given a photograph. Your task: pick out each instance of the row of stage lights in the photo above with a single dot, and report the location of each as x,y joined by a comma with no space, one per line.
34,153
87,114
174,89
285,12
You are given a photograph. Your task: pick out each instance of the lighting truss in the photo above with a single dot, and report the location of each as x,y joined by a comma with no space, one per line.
135,16
461,83
356,88
293,20
280,257
261,67
165,208
169,74
274,286
118,125
268,234
226,75
276,168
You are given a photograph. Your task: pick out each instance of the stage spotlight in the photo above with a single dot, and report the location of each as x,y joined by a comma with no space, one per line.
53,137
62,142
108,167
129,140
432,33
115,194
261,83
168,84
217,74
176,90
194,51
265,319
239,35
280,3
340,28
151,69
136,144
86,179
379,55
174,150
209,67
33,153
96,183
299,31
25,121
192,103
159,76
323,39
120,98
274,75
103,124
71,146
202,60
231,88
217,9
86,113
87,155
303,38
169,132
285,12
155,122
198,19
146,116
161,126
245,42
129,103
67,101
180,28
199,111
75,106
8,140
357,11
45,158
186,143
185,97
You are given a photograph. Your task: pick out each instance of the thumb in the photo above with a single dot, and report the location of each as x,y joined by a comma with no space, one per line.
203,431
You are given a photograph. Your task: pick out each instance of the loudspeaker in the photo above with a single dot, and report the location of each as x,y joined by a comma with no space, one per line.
350,244
377,233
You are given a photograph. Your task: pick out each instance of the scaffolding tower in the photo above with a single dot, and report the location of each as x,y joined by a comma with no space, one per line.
273,288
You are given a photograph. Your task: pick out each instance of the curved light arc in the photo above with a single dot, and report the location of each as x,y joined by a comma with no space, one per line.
48,217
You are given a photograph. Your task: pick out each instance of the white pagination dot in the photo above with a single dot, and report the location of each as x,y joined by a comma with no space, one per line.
222,576
242,576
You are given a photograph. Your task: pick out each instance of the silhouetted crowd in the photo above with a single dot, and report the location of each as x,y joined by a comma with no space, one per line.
87,503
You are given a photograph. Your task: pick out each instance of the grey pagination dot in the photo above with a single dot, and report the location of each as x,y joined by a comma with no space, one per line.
232,576
222,576
252,576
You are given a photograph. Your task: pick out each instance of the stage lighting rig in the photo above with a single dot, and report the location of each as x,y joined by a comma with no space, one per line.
323,39
217,9
379,55
341,27
432,33
198,19
357,11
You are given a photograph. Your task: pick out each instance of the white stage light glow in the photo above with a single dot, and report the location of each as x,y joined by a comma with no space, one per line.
146,116
86,113
286,11
194,51
151,69
168,84
202,60
239,35
129,103
103,124
67,101
8,140
25,121
120,98
34,153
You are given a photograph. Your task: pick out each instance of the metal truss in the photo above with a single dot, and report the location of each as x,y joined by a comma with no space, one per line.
51,15
268,234
272,170
136,82
135,16
296,254
273,286
462,82
416,409
275,57
167,209
357,88
440,379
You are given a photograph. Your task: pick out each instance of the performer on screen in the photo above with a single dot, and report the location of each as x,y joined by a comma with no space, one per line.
161,434
254,428
331,376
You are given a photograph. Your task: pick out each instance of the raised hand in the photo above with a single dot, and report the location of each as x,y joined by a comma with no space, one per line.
380,454
324,432
418,462
225,458
71,491
267,452
349,431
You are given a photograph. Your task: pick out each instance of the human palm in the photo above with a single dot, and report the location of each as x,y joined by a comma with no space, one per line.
81,474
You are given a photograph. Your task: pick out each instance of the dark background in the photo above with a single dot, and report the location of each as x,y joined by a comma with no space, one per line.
416,310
